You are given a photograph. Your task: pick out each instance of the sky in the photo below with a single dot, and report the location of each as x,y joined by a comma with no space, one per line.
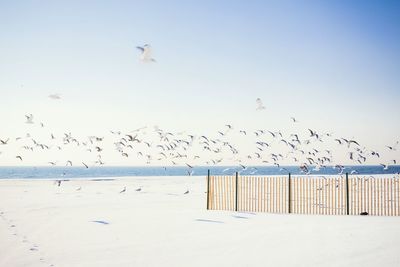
333,65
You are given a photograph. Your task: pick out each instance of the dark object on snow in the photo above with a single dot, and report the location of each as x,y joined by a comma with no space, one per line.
364,213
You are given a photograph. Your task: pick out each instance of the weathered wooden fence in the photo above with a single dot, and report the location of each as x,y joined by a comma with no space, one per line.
305,195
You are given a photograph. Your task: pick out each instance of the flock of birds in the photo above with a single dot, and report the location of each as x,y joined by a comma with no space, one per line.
155,145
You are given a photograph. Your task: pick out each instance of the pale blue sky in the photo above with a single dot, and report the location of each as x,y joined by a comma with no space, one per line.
334,65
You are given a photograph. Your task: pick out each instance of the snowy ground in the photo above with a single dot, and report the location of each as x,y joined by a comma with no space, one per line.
42,224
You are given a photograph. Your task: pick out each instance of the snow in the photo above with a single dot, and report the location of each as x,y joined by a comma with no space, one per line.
42,224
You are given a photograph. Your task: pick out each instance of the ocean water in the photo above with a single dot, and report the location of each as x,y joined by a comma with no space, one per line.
55,172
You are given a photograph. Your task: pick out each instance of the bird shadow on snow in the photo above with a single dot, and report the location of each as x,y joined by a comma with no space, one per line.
210,221
239,217
244,215
100,222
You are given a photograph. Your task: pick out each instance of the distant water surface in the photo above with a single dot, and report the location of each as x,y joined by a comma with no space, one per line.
81,172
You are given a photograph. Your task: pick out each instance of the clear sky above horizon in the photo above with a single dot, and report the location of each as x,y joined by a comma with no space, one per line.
334,65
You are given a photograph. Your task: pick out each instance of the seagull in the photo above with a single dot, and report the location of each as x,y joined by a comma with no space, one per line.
146,53
352,141
187,192
339,141
243,167
55,96
86,166
385,167
340,167
29,119
294,119
313,133
373,153
2,142
190,166
260,105
123,190
304,168
139,189
19,157
273,134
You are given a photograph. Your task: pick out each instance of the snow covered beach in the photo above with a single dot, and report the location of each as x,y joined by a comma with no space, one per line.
154,223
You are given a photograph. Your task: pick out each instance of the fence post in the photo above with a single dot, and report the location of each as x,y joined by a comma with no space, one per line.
289,194
208,189
236,191
347,193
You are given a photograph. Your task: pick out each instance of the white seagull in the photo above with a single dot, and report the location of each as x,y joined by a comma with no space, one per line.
260,105
29,119
146,53
55,96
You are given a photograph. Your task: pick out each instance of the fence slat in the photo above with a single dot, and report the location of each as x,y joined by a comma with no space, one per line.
394,187
369,196
359,195
265,194
314,193
259,193
295,202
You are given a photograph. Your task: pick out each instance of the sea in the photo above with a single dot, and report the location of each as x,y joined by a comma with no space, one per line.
57,172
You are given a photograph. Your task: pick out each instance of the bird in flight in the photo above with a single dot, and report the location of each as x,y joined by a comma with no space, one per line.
2,142
146,53
385,166
190,166
29,119
260,105
123,190
55,96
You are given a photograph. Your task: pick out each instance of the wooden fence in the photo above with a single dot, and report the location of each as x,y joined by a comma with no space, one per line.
305,195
